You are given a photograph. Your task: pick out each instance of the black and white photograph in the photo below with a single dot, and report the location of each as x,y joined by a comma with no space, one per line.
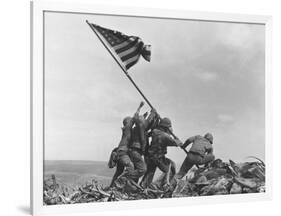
138,108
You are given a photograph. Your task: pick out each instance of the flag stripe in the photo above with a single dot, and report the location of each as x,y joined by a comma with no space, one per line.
131,62
131,59
124,43
122,49
132,54
128,51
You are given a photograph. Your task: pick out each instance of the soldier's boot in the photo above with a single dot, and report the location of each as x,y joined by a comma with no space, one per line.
130,187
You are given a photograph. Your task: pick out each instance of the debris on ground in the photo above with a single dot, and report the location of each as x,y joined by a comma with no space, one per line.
218,178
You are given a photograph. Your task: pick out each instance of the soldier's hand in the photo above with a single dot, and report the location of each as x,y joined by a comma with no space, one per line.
136,116
153,110
183,146
179,143
141,104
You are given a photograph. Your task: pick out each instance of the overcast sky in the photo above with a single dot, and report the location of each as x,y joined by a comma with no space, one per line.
205,76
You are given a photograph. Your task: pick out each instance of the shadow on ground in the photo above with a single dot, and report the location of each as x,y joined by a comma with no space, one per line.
24,209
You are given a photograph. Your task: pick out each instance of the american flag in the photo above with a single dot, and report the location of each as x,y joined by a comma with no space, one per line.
128,48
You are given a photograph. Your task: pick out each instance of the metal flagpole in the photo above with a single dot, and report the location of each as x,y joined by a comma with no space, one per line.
121,66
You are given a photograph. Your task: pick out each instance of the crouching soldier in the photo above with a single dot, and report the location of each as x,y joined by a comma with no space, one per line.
201,152
157,150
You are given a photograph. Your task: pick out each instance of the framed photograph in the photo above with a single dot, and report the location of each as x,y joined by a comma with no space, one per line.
147,107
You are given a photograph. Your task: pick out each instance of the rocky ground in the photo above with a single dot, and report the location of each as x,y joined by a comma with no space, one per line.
216,179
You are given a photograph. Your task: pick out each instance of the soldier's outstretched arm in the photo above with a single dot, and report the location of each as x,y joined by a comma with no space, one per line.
169,141
189,141
136,116
139,108
137,113
149,120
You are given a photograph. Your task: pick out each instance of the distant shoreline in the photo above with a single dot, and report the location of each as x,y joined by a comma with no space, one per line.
76,161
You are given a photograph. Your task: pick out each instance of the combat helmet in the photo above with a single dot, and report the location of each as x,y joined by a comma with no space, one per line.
126,120
209,137
165,122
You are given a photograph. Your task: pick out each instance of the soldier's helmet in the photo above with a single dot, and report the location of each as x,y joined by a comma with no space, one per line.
126,120
142,119
209,137
165,122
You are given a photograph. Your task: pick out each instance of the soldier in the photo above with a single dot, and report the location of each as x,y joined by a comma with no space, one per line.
157,150
201,152
139,142
123,160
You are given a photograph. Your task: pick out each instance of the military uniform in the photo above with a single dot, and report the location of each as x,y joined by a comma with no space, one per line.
119,170
201,152
124,162
156,156
132,146
138,144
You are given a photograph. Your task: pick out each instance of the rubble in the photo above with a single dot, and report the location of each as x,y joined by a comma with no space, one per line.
225,178
218,178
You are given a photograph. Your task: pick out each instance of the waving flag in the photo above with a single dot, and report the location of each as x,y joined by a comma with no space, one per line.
128,48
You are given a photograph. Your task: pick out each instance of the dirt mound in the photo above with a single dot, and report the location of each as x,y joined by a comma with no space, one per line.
217,178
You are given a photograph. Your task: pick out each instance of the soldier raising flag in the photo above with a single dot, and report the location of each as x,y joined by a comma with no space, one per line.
126,51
